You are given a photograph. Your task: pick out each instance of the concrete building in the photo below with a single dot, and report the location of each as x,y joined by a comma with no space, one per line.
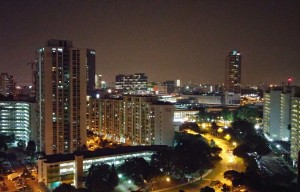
232,84
131,83
93,114
181,115
233,71
277,112
91,70
7,84
271,114
170,86
295,129
62,79
54,170
137,120
18,118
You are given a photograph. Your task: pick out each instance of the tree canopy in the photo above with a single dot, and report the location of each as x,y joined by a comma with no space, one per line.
65,188
101,177
31,148
138,169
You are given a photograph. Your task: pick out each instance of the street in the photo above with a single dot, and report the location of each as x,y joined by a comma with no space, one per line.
228,162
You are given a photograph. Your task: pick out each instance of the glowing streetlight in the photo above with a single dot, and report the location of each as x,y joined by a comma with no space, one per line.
234,144
168,179
227,137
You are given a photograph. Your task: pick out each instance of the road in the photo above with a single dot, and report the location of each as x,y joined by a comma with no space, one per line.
228,162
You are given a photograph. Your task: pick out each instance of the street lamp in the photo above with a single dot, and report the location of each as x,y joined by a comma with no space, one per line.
168,179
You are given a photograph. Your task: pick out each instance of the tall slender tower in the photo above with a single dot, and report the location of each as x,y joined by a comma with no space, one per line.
233,72
62,72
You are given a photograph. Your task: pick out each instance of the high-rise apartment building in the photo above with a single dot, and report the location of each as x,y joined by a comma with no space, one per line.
62,84
7,84
277,112
93,114
295,129
91,70
233,72
134,82
271,113
137,120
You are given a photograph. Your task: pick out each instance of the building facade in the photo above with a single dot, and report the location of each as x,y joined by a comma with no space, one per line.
233,72
7,84
17,118
131,83
91,70
56,169
137,120
271,114
93,114
61,96
295,129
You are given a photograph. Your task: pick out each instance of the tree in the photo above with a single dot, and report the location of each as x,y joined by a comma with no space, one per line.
3,145
207,189
138,169
98,178
227,115
225,188
31,148
113,177
21,144
242,151
232,175
247,113
242,128
65,188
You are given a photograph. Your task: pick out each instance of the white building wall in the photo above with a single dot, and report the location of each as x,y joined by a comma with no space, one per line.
295,128
285,108
272,114
164,128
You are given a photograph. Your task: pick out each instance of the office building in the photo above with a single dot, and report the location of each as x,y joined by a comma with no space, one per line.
232,84
137,120
233,72
131,83
7,84
62,84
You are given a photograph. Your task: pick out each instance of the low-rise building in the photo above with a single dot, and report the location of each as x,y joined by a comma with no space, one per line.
56,169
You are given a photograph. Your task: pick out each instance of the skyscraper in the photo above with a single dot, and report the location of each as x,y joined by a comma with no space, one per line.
62,84
91,68
7,84
233,72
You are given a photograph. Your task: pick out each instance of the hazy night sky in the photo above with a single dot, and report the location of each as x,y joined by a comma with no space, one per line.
167,40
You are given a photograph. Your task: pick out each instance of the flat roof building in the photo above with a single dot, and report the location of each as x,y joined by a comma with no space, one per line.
64,75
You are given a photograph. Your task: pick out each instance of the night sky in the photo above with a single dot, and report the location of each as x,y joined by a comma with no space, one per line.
167,40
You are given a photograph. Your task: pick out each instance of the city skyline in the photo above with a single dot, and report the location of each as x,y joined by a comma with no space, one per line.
167,40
